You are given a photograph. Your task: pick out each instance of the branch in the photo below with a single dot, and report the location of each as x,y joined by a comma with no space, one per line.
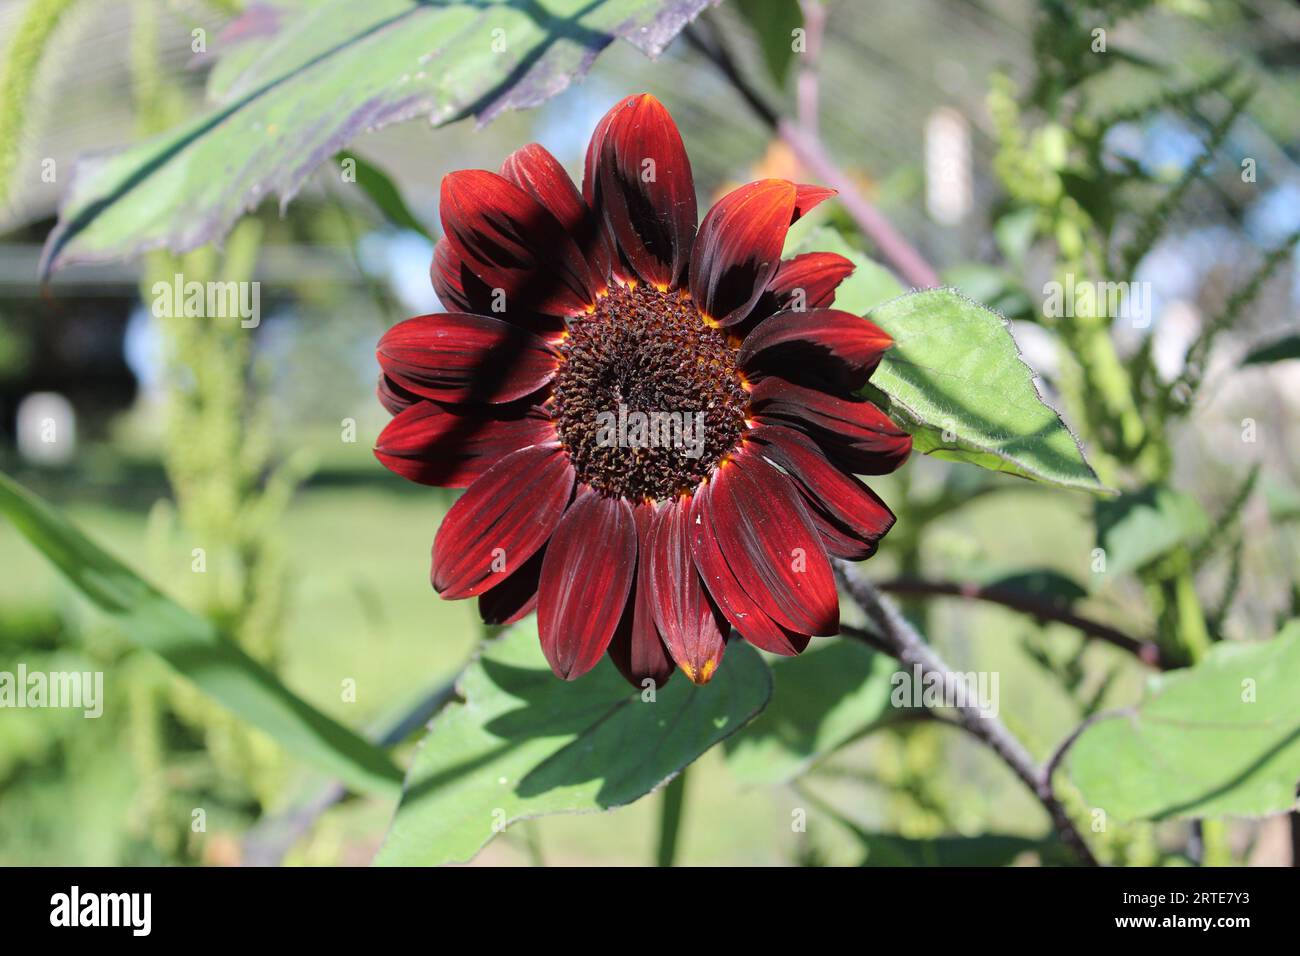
807,94
1058,755
1041,609
908,647
807,146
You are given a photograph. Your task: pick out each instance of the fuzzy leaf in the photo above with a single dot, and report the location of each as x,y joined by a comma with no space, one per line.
1221,738
525,744
299,81
955,378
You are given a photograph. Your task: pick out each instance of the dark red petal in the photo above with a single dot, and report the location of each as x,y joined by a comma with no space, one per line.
807,281
849,506
730,597
858,433
514,598
763,528
540,174
450,447
513,243
739,248
458,289
636,649
393,397
457,357
837,540
501,520
638,180
685,617
461,291
827,344
807,197
586,578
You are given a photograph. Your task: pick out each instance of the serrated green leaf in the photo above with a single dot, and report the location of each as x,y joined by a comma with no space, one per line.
955,378
304,79
821,700
524,744
192,645
1136,528
1218,739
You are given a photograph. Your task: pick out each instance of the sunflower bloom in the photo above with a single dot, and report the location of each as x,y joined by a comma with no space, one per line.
656,419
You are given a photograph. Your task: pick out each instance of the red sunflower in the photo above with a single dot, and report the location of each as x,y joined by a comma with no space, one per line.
574,310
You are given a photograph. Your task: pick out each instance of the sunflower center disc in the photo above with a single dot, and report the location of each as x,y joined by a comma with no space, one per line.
648,398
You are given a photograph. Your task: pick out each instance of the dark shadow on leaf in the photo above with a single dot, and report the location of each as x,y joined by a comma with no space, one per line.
627,744
807,689
1230,784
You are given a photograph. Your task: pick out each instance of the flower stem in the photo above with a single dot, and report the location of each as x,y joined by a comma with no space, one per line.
910,265
670,819
902,642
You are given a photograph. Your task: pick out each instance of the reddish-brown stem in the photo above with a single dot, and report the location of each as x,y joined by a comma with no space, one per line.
1039,608
807,95
807,146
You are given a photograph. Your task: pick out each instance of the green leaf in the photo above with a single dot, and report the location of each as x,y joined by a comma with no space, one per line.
821,700
774,23
1287,347
383,192
302,80
1221,738
955,378
192,646
1139,527
524,744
